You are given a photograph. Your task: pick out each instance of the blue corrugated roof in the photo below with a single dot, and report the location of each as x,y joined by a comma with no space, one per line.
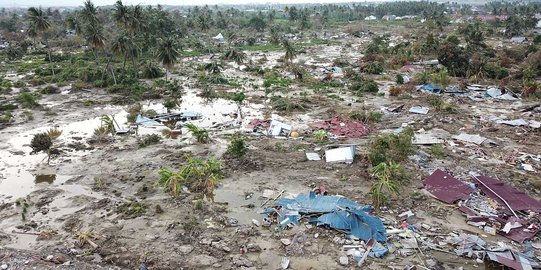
338,213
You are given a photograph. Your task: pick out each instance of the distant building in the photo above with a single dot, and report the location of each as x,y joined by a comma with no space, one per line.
370,18
519,40
389,17
289,36
219,38
492,18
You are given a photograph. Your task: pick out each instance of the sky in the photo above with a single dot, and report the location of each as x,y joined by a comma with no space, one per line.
56,3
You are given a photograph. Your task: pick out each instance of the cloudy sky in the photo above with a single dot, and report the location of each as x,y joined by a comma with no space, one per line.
46,3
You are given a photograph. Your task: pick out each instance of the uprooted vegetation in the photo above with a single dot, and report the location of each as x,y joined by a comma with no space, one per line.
200,176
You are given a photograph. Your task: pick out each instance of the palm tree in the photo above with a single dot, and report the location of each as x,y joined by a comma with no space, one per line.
39,23
235,54
213,67
124,45
120,14
94,36
89,13
135,21
291,53
168,54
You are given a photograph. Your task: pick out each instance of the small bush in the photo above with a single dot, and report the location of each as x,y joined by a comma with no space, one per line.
395,91
201,135
320,136
366,117
151,71
439,105
131,209
367,86
198,175
149,139
438,151
399,79
389,176
373,68
285,104
50,89
237,146
391,147
27,100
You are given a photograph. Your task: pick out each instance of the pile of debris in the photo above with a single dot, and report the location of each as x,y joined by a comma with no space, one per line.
489,204
334,212
343,127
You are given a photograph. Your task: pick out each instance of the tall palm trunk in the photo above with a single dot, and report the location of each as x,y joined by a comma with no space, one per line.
107,69
135,71
49,53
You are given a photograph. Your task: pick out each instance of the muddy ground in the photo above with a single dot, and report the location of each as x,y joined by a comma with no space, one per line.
107,191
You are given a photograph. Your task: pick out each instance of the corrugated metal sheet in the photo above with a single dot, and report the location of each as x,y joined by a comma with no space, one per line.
338,213
518,200
447,188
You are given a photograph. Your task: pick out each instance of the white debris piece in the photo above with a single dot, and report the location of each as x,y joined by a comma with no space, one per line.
507,97
278,128
343,154
344,260
312,156
423,139
284,263
476,139
419,110
494,92
527,167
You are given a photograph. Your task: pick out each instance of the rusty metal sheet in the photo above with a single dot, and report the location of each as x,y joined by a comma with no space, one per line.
446,188
518,200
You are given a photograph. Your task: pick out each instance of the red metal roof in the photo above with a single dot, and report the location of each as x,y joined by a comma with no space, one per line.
447,188
518,200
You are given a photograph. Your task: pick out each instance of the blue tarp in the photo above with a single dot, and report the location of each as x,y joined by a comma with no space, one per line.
145,121
430,88
336,212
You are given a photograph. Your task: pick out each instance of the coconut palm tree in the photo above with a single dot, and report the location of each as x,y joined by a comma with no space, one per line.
291,53
135,21
213,67
124,45
168,54
89,13
39,23
121,14
95,37
235,54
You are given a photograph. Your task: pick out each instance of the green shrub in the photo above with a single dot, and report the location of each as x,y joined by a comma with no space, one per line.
151,71
149,139
285,104
366,117
201,135
373,68
197,175
399,79
496,72
366,86
439,105
389,176
27,100
391,147
438,151
237,146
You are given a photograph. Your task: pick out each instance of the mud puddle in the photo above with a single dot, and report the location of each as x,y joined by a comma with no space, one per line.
248,195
